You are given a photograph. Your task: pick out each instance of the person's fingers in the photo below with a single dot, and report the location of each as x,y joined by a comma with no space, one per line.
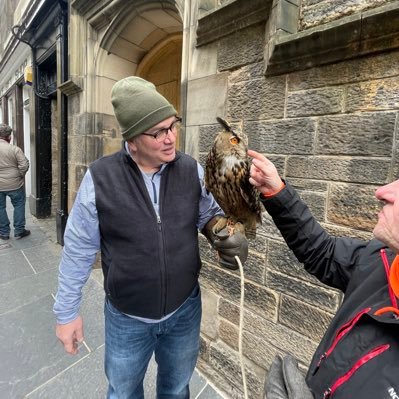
70,346
79,334
256,155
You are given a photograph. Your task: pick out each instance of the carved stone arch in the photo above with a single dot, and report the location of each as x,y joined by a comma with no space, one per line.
144,39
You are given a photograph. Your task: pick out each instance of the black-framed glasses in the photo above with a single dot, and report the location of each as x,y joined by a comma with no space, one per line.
161,134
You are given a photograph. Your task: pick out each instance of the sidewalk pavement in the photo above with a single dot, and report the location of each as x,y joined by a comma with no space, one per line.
33,364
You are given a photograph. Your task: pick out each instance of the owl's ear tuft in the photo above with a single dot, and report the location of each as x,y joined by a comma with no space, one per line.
225,125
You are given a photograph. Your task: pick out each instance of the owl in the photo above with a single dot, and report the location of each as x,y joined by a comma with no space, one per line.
227,178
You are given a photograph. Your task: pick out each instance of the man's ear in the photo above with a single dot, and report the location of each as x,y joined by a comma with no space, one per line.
132,144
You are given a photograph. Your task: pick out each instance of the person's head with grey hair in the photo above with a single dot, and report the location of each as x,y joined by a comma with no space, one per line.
5,130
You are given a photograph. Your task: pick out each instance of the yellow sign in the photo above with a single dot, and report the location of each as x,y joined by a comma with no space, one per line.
28,75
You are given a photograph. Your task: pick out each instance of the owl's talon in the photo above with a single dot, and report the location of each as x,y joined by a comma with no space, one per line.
220,225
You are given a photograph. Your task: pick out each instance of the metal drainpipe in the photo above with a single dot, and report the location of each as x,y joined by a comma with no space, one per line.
62,212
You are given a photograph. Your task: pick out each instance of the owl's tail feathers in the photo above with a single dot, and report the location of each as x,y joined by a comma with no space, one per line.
250,227
250,233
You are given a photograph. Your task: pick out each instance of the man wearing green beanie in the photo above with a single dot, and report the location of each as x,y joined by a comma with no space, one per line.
142,207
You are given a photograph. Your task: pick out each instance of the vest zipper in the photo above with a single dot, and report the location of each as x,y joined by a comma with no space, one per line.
362,361
340,335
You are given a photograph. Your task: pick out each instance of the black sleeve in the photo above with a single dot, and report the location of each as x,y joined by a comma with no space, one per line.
331,259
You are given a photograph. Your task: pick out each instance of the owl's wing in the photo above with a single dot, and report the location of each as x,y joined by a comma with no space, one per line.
210,172
212,184
250,194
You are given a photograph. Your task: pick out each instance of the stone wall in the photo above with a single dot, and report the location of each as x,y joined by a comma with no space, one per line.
319,12
7,8
331,131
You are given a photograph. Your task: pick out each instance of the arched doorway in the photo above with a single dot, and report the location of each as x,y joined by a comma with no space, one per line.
162,66
143,40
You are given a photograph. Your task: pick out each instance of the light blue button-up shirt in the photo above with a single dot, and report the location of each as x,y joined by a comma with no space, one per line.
82,239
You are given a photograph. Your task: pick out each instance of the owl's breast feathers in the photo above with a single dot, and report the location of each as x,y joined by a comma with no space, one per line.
227,178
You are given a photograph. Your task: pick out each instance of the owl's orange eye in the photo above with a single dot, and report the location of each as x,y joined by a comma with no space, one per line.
234,140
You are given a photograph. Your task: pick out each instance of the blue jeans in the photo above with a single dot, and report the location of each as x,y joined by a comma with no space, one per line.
18,201
130,343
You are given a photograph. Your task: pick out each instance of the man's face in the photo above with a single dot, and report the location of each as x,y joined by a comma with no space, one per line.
150,153
387,227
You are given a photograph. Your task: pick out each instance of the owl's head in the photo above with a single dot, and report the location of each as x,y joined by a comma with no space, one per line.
229,141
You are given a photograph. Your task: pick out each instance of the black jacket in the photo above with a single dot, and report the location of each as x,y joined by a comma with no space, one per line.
150,264
358,356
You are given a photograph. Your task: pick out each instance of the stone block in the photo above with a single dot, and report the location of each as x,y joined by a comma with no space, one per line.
241,48
257,349
270,229
353,205
258,245
110,145
77,149
303,318
316,295
207,135
209,325
94,148
323,101
256,99
204,348
373,95
192,141
395,163
229,311
226,362
227,285
309,185
376,66
228,333
352,232
203,61
281,259
321,12
247,72
270,334
367,134
104,86
316,203
106,124
83,124
80,171
357,170
281,136
206,99
254,267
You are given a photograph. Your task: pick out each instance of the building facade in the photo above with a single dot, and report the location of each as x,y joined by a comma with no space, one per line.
314,84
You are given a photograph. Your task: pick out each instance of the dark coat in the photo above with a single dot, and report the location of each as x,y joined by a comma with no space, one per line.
358,356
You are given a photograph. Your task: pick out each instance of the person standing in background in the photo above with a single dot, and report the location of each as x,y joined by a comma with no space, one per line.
13,167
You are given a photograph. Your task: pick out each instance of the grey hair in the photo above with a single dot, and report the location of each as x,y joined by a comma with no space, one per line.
5,130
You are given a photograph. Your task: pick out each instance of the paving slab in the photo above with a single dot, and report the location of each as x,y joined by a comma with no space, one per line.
27,289
81,380
30,351
12,266
44,256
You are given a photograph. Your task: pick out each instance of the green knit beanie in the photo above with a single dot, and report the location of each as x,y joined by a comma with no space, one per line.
138,106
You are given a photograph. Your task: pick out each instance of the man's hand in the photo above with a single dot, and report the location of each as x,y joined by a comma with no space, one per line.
229,246
285,381
264,175
70,335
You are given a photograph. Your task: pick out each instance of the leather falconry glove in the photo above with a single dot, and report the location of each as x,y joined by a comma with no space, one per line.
285,381
228,246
